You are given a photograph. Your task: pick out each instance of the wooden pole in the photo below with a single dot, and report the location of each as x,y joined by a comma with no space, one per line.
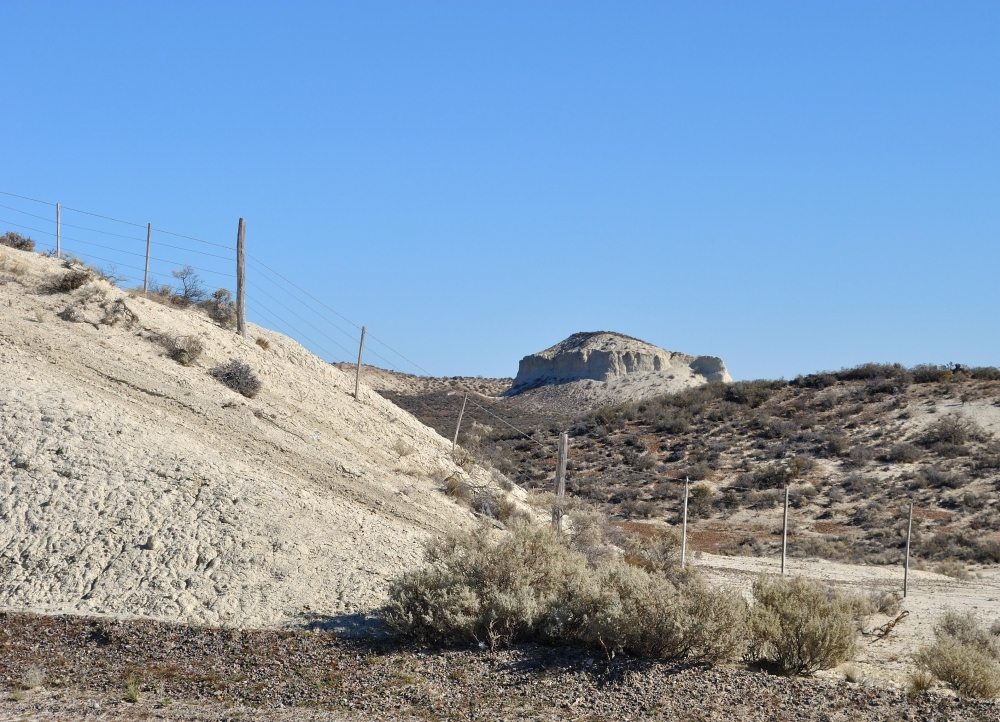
58,232
149,241
557,510
684,526
784,535
454,442
357,377
241,273
906,567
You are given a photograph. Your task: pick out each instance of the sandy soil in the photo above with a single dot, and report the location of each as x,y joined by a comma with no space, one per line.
886,661
133,485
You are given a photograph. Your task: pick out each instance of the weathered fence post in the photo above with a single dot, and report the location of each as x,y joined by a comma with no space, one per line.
454,442
58,232
684,526
557,510
784,535
357,377
241,271
906,563
149,241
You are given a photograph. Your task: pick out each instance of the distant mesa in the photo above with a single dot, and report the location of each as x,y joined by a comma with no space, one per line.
625,367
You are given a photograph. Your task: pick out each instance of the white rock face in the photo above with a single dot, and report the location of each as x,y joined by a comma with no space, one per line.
626,368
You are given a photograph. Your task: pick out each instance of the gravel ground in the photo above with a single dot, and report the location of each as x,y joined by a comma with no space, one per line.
84,668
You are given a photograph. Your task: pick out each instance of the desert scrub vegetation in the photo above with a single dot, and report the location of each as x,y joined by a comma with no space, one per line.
185,350
797,626
17,241
529,584
964,655
239,377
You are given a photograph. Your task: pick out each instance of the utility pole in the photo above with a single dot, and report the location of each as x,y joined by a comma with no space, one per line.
454,442
357,377
684,526
149,241
557,510
784,535
241,272
58,232
906,567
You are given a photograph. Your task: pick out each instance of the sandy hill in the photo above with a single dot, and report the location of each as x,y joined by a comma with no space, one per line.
135,485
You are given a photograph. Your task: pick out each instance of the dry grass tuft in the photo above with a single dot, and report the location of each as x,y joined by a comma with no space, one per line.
263,343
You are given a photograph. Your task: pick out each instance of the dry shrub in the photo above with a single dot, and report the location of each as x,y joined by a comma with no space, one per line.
967,629
798,626
70,281
185,350
17,241
239,377
221,309
953,569
904,453
969,671
954,430
402,447
119,313
530,585
263,343
920,681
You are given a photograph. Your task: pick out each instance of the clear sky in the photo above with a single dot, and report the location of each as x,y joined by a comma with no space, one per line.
790,186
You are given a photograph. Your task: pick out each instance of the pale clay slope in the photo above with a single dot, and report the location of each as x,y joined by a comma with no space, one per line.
132,485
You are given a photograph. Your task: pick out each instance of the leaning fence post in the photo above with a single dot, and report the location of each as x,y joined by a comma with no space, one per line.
357,376
58,232
454,442
784,535
684,526
149,241
906,564
241,271
557,510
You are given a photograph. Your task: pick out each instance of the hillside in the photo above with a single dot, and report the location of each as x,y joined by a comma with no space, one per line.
137,485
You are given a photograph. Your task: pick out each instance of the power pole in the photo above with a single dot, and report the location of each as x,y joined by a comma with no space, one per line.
557,510
454,442
58,232
149,241
784,535
684,526
357,377
241,272
906,567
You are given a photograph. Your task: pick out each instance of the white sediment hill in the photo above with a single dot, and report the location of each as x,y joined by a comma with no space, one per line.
133,485
603,367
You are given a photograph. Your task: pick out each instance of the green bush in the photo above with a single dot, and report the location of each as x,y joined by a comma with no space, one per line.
529,585
799,627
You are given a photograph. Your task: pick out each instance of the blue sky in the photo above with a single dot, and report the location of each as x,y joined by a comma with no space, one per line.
790,186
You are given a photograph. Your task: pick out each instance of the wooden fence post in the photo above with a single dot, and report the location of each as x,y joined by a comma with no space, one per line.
784,535
149,241
241,271
906,567
684,526
58,232
557,510
357,377
454,442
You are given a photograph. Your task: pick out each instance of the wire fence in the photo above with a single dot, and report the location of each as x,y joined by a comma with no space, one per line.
119,248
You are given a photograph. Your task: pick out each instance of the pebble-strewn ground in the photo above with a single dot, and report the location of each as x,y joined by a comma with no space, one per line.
85,667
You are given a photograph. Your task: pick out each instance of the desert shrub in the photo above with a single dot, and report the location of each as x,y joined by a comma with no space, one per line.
903,453
860,455
629,610
751,393
930,374
239,377
191,290
833,443
799,627
263,343
221,309
952,429
970,671
70,281
185,350
402,447
874,371
953,569
968,629
119,313
17,241
984,373
937,478
634,508
773,476
530,585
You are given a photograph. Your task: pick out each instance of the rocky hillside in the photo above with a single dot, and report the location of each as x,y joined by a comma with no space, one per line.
134,482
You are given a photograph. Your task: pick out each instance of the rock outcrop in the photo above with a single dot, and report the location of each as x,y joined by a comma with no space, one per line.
603,367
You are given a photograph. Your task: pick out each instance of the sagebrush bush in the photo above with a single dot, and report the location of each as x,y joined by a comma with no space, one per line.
529,585
970,672
799,627
239,377
221,308
967,628
17,241
185,350
70,281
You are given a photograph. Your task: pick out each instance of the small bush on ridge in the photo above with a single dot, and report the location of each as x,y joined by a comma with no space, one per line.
17,241
239,377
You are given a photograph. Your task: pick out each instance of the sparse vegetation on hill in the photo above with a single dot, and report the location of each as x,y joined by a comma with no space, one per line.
855,447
